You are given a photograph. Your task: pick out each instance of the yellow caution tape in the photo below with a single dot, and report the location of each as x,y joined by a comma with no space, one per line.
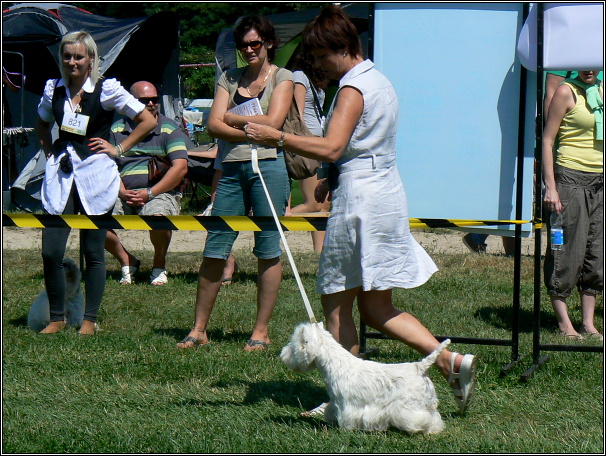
205,223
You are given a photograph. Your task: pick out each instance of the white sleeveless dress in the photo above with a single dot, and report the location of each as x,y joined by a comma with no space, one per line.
368,242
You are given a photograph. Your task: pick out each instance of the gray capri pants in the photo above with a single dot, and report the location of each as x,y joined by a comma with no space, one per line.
581,262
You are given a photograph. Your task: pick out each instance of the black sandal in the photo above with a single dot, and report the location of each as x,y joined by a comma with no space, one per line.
196,343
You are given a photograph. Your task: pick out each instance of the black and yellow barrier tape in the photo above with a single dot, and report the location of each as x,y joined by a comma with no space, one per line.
205,223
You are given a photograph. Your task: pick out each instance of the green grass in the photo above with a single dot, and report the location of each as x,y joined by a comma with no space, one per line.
129,390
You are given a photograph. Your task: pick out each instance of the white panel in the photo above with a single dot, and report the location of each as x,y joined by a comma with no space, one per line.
573,37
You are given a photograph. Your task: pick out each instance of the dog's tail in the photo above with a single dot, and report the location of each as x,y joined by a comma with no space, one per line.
428,361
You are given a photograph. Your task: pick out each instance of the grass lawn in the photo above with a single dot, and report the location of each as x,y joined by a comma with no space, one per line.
128,389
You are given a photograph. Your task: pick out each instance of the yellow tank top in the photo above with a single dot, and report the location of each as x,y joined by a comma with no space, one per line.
578,148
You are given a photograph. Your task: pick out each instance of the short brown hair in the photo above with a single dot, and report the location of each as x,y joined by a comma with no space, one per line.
263,26
332,29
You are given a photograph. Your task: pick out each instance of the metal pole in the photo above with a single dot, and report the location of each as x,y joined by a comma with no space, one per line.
10,163
538,214
515,330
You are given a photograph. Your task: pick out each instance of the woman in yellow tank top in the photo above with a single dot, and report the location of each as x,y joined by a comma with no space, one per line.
574,183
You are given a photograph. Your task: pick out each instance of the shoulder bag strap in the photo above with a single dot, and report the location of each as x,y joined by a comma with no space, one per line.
317,100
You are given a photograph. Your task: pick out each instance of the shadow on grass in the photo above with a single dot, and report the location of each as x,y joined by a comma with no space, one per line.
283,393
502,318
301,395
213,335
18,322
142,277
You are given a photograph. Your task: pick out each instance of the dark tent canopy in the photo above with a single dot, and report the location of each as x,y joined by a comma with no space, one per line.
130,50
289,27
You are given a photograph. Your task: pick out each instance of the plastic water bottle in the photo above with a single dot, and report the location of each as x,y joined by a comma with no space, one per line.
557,232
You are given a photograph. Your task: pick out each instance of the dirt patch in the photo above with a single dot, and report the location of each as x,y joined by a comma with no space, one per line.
441,241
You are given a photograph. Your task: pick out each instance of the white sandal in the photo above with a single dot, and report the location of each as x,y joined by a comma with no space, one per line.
158,276
318,411
128,273
465,388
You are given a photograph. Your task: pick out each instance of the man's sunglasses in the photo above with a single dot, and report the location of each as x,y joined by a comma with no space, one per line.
146,100
254,45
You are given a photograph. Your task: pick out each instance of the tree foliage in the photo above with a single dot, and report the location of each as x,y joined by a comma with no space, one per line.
200,25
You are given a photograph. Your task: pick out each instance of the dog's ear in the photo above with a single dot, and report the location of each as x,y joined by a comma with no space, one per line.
304,334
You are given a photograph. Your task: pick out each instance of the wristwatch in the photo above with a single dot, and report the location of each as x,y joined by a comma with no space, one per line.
150,195
281,140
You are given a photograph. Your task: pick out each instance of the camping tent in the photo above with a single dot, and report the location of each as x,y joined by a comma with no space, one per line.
130,50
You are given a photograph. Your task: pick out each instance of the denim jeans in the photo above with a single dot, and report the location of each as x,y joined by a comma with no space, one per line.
241,191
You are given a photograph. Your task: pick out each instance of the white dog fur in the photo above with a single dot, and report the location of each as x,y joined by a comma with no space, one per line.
39,314
363,394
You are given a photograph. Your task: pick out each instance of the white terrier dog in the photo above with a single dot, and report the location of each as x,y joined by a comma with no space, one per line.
367,395
39,314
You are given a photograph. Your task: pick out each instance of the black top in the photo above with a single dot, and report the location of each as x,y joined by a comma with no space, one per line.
98,125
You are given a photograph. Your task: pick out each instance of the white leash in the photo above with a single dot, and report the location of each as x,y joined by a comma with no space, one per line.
256,170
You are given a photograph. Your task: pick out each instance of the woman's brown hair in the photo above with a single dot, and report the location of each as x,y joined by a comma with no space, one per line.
332,29
305,63
264,27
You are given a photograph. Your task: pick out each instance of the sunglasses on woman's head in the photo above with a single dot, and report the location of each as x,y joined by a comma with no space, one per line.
254,45
146,100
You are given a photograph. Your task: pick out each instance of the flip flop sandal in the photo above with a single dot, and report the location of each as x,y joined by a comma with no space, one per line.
464,380
229,280
196,343
572,336
252,343
129,272
594,335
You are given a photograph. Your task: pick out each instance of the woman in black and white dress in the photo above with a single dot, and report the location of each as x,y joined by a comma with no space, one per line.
81,174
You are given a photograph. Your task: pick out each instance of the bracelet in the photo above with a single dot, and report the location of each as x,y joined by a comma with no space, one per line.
150,195
120,149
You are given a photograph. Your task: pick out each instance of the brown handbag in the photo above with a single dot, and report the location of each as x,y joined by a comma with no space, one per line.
158,167
298,166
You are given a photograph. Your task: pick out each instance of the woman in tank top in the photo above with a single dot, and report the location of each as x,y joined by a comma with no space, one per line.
574,188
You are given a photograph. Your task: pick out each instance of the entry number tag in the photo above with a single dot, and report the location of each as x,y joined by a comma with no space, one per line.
75,123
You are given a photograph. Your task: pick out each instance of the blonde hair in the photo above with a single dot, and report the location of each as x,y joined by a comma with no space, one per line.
91,49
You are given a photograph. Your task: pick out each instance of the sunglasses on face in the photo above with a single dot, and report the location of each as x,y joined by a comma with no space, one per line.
254,45
146,100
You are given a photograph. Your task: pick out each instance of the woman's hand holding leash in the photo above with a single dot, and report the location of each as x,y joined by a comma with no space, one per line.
261,134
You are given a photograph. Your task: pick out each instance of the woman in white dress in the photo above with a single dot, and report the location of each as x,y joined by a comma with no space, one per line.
81,174
368,250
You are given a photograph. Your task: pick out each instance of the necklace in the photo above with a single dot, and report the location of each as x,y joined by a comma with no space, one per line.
261,86
77,107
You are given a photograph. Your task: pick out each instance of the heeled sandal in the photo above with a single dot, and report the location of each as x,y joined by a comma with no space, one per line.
463,383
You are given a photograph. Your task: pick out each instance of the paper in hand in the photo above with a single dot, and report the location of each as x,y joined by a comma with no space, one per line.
250,108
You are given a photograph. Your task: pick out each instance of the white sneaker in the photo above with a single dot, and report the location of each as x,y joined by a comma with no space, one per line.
128,273
158,276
